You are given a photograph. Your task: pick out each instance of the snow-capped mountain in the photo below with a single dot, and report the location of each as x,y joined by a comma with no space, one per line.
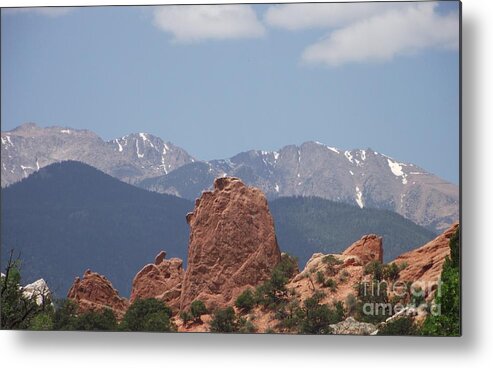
131,158
362,177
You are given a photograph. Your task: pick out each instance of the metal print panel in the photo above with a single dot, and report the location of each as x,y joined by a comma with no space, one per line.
239,168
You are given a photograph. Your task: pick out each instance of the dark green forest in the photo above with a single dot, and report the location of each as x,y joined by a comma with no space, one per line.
307,225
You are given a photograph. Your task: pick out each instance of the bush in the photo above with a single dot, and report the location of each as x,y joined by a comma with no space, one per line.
224,320
273,291
320,278
351,304
331,284
246,300
288,265
96,321
65,318
42,322
391,271
375,269
318,317
343,277
290,315
197,308
185,317
331,263
331,260
147,315
246,326
400,326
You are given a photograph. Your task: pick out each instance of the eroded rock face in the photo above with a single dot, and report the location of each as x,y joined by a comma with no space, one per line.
161,280
94,292
352,327
39,291
424,264
345,271
232,244
368,248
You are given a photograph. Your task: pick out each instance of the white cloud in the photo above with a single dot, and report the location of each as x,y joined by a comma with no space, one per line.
404,30
51,12
200,22
301,16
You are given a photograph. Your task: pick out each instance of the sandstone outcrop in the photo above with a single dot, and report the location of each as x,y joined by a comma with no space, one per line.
95,292
344,270
368,248
425,263
232,244
161,280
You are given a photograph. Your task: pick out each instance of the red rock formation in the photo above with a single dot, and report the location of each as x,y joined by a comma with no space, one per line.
346,273
161,280
94,293
368,248
425,264
232,244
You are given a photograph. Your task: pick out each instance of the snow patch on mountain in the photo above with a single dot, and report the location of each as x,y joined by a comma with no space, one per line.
139,155
7,140
349,156
359,197
396,169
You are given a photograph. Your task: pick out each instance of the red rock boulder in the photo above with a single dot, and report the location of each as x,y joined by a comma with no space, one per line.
368,248
425,263
94,293
232,244
161,280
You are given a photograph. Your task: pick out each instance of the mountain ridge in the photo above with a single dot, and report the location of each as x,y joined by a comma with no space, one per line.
360,176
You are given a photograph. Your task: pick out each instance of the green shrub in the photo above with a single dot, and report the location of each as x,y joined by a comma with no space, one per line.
400,326
197,308
185,317
246,326
331,263
273,291
317,317
343,277
374,268
246,300
42,322
96,321
320,278
224,320
147,315
65,318
331,260
391,272
331,284
351,304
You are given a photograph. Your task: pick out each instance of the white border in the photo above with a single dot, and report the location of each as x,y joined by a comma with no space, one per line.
73,350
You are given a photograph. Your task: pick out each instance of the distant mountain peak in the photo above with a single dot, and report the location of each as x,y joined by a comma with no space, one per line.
131,158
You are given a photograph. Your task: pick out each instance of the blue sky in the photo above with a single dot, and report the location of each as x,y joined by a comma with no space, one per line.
224,79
